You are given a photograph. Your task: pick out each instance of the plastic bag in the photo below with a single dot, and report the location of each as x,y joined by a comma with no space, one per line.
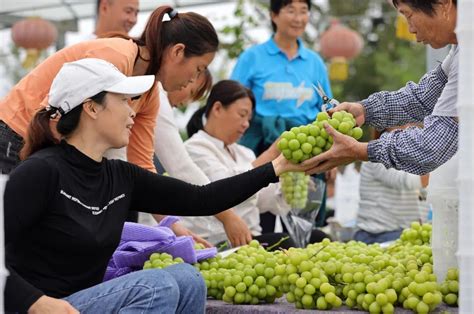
300,220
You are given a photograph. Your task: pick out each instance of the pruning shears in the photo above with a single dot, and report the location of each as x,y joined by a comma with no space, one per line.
327,101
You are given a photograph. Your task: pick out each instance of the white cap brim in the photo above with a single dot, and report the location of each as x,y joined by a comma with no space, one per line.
133,85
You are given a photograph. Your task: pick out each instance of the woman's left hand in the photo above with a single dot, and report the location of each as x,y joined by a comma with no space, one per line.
180,230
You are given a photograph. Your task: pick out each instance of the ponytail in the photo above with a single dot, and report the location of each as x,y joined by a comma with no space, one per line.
152,38
192,30
195,123
39,133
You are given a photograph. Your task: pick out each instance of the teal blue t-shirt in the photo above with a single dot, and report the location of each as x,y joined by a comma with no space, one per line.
283,87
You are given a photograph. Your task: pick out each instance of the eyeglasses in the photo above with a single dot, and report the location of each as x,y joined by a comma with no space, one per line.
293,13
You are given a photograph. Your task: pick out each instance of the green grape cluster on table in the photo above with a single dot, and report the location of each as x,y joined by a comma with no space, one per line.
306,141
328,275
244,277
417,233
294,186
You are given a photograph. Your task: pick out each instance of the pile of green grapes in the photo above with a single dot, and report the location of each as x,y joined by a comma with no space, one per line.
328,275
294,186
306,141
244,277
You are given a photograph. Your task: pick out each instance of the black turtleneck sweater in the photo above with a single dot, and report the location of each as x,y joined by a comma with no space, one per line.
64,215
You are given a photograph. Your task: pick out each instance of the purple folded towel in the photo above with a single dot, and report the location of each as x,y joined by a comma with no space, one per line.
138,242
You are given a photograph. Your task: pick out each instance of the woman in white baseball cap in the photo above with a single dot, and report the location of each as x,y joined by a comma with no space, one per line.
65,205
175,47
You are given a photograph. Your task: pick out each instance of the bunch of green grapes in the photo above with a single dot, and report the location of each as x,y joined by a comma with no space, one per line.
306,282
422,294
417,233
294,186
450,287
246,276
306,141
161,260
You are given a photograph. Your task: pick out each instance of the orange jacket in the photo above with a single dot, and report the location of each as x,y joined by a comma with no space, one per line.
31,93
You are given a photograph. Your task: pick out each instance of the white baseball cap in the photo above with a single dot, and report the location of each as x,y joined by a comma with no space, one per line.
79,80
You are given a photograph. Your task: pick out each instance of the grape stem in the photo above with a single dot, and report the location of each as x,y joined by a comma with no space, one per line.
222,246
278,243
318,251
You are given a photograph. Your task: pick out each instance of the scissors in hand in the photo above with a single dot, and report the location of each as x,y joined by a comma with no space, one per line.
327,102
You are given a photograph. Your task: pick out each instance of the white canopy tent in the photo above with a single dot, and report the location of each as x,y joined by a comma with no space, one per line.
65,14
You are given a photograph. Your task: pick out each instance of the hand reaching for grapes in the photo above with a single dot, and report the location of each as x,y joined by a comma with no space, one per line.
357,110
237,231
50,305
269,154
180,230
344,150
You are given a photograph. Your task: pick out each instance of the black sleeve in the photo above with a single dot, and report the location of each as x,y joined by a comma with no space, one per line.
24,202
168,196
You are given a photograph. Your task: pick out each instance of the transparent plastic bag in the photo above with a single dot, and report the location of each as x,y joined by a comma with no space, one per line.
300,220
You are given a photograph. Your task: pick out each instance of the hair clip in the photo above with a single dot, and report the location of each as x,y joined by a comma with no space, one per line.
173,14
55,111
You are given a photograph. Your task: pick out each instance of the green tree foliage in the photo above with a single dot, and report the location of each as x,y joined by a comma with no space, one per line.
386,62
234,38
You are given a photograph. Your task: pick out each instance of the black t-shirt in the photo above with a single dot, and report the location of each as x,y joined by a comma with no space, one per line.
64,214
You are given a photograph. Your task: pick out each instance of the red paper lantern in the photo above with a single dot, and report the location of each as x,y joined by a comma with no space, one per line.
340,41
34,33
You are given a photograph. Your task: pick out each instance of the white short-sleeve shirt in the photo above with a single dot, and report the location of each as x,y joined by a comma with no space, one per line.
219,161
447,103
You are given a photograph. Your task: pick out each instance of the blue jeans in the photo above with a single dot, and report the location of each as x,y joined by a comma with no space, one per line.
175,289
370,238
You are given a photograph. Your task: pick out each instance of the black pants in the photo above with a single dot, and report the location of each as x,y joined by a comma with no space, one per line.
272,238
132,216
267,222
10,146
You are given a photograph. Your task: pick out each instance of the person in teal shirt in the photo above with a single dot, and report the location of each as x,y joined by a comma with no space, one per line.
281,73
